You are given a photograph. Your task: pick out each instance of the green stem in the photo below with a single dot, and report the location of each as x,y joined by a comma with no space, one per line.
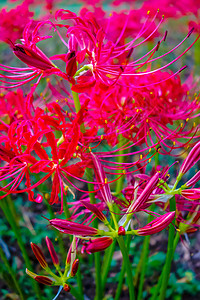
80,283
16,229
172,243
120,159
11,272
75,293
106,263
155,295
58,233
122,272
145,254
128,267
170,253
144,258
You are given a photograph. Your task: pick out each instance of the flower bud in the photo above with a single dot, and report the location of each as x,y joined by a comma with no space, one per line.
156,225
97,245
39,255
66,288
44,280
121,231
73,228
31,58
74,267
191,194
193,180
93,208
191,159
52,252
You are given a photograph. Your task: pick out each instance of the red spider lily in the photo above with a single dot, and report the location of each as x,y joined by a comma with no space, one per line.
25,140
140,114
89,40
97,245
39,65
156,225
12,22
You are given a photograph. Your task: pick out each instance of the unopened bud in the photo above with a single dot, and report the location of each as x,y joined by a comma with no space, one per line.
52,252
44,280
74,267
66,288
121,231
39,255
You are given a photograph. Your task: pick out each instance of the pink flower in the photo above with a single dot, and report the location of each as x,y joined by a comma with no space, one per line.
13,22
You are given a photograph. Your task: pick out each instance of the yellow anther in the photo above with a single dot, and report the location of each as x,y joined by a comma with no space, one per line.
174,143
1,94
102,137
132,127
74,155
177,229
151,93
70,114
187,119
147,120
57,100
158,9
44,98
47,196
41,94
47,79
77,148
148,12
106,122
117,130
149,149
106,180
126,118
90,149
137,110
141,156
149,160
194,124
124,172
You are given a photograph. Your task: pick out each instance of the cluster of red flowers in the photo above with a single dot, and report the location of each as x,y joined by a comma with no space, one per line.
106,92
